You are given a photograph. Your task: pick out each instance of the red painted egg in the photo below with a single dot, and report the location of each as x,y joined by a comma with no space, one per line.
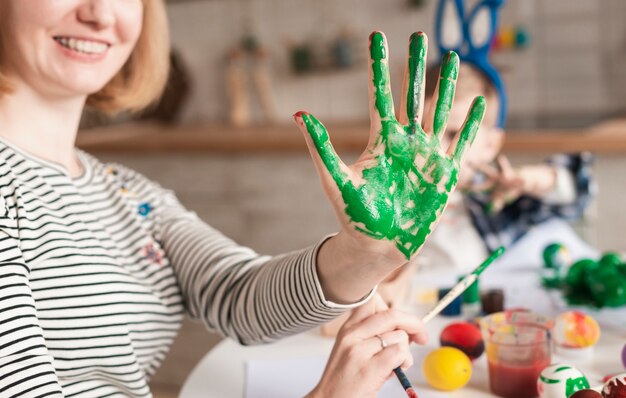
615,387
586,393
465,336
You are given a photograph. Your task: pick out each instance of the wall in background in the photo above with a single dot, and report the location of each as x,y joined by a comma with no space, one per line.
573,67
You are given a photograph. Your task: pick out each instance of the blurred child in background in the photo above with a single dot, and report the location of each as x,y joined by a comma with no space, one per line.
495,203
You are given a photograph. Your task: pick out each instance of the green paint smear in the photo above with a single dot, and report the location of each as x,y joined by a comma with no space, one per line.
418,49
562,368
596,283
549,381
447,83
576,384
399,200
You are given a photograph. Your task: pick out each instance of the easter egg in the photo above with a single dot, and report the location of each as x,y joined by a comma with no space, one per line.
615,387
447,368
611,259
555,258
575,277
560,381
586,393
556,255
465,336
575,329
608,287
624,355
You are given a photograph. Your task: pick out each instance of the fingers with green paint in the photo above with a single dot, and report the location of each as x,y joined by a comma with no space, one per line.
412,108
444,94
324,148
381,101
470,128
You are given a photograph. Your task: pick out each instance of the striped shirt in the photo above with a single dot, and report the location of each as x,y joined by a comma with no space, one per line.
97,271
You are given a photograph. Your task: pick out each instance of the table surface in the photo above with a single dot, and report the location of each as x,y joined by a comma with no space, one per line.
222,372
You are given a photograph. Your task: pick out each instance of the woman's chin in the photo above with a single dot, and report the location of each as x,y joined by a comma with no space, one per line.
82,82
80,89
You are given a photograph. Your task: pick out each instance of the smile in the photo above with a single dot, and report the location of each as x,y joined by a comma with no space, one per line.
82,46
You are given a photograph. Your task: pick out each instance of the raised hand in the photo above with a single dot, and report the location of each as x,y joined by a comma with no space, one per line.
506,184
399,186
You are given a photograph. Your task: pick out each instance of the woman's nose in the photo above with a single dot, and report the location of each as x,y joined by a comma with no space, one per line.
99,13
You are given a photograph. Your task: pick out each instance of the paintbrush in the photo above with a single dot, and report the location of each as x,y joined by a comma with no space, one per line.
455,292
460,287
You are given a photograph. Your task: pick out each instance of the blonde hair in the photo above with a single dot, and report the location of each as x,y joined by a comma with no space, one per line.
142,79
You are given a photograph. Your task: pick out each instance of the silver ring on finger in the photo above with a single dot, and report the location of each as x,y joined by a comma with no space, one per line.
383,343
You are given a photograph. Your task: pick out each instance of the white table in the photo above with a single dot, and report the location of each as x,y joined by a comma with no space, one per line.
222,372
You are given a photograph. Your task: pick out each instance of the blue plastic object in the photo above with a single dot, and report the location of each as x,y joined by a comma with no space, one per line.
471,47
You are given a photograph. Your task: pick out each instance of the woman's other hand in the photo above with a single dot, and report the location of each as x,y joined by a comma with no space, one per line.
359,365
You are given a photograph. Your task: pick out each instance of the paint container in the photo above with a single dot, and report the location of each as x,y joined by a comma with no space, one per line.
454,308
492,301
471,307
518,349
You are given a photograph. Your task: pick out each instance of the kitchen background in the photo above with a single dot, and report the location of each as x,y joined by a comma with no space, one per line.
223,138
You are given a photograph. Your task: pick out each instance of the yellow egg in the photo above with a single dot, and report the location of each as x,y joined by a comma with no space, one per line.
447,368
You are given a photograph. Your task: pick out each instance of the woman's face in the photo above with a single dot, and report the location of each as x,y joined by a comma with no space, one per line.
64,48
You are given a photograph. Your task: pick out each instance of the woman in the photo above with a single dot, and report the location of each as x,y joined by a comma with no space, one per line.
98,264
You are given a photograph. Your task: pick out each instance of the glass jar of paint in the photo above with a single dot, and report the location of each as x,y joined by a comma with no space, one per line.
518,348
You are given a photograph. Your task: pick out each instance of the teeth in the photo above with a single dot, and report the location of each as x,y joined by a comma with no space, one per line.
82,46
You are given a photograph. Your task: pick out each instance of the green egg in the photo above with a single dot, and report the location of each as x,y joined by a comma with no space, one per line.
611,259
608,287
576,275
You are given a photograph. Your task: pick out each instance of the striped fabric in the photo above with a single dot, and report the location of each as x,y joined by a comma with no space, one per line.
96,273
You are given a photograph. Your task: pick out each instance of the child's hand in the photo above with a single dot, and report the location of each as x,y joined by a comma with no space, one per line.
359,365
391,197
508,183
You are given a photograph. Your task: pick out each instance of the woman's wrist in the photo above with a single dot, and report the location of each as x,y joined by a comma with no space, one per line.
349,268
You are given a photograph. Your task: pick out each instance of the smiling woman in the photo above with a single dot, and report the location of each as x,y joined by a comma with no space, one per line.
135,49
98,264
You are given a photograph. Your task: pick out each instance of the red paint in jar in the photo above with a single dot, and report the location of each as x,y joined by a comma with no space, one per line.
515,381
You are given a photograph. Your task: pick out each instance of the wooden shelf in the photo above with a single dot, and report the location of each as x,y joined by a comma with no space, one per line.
148,137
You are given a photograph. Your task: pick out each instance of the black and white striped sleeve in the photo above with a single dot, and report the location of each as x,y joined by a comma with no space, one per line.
251,298
26,368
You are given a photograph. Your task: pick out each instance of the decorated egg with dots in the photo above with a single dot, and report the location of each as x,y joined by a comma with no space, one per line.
575,329
556,255
465,336
447,368
560,381
615,387
586,393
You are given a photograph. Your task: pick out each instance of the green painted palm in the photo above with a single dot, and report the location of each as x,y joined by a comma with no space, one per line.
399,186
